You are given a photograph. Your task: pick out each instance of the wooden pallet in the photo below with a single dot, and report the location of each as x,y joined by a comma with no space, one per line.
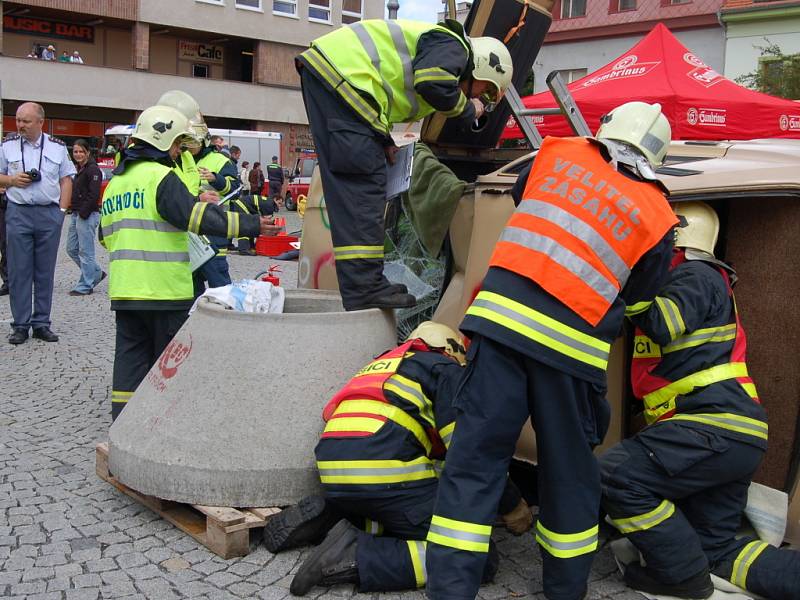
223,530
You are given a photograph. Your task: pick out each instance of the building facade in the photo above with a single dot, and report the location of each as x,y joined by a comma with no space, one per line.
752,26
234,56
587,34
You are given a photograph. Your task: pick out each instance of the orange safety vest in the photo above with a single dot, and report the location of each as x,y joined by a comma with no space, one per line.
581,227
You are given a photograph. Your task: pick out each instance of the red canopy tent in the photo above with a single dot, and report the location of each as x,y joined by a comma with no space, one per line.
700,103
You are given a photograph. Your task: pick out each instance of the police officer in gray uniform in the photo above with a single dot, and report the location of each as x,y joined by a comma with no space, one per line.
37,171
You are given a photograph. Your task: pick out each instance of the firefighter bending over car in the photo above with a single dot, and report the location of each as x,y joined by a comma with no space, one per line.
357,82
145,214
385,441
591,235
678,488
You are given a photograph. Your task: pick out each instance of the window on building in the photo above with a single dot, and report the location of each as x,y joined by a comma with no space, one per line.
570,75
249,4
623,5
573,8
219,2
200,71
285,7
319,10
674,2
352,11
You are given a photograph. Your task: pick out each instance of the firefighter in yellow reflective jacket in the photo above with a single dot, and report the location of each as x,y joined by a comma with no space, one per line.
145,215
678,488
591,236
357,82
385,440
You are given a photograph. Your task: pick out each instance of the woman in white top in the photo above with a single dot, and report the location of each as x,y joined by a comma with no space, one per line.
244,176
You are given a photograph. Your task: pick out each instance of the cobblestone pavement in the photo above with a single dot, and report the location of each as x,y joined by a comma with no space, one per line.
65,534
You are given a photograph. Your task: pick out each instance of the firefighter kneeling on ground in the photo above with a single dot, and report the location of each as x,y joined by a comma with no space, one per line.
384,444
678,488
146,213
252,204
592,233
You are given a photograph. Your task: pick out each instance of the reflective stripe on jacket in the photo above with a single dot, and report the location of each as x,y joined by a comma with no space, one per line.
381,431
581,226
720,393
149,257
374,57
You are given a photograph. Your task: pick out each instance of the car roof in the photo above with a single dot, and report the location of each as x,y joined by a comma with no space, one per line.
703,168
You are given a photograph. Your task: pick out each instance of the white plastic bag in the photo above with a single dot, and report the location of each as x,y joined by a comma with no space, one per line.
247,295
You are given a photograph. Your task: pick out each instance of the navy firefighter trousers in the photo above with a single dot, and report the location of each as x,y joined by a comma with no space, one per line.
678,493
500,389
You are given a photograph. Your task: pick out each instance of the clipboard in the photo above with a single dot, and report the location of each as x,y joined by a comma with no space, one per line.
398,175
200,252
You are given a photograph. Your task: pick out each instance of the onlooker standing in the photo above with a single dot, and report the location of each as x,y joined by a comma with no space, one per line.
37,171
85,218
49,53
256,178
3,261
275,176
236,154
76,58
244,176
64,57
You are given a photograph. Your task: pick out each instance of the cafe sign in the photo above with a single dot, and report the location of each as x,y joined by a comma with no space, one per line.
48,28
198,51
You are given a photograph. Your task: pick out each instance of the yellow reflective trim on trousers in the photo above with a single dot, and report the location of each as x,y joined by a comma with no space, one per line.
353,252
411,391
372,527
672,316
119,397
458,108
685,385
196,216
392,413
743,562
637,308
646,521
416,550
347,91
729,421
233,224
541,328
702,336
373,472
446,433
461,535
567,545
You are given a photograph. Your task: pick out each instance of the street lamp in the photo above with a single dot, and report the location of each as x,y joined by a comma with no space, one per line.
393,6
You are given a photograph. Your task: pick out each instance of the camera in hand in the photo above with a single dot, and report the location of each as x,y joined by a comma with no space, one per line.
34,174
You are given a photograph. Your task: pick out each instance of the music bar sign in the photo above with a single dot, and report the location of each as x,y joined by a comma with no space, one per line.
48,28
199,51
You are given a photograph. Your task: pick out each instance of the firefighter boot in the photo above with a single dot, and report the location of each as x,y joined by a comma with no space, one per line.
388,299
397,288
332,562
696,587
307,522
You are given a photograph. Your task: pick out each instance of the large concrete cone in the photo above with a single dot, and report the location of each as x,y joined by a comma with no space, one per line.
231,412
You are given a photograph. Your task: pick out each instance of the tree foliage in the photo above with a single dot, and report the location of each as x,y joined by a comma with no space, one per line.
777,74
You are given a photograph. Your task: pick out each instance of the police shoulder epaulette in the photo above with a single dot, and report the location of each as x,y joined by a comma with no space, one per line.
56,140
11,137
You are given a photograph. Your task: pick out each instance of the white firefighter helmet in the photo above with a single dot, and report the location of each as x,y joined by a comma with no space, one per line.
492,63
699,226
441,337
640,125
190,109
160,126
